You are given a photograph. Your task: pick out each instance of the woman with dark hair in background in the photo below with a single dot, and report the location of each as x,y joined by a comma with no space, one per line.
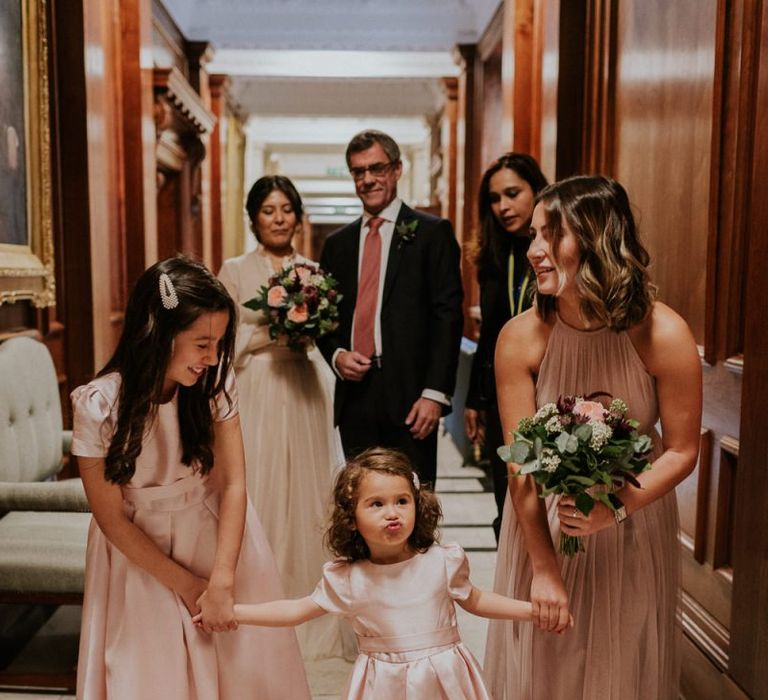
505,205
286,404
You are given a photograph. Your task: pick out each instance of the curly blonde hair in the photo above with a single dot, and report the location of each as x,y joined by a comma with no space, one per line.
612,279
342,537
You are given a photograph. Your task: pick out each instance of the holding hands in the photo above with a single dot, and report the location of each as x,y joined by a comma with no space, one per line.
550,602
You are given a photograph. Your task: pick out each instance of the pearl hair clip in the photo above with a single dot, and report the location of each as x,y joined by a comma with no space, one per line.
416,482
168,292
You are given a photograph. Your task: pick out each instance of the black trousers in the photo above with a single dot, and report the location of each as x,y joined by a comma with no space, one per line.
494,438
364,423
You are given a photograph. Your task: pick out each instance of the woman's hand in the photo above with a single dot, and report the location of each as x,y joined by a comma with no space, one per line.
573,522
474,425
550,602
217,609
193,588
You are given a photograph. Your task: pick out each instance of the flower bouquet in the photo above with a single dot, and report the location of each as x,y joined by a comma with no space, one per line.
578,447
301,304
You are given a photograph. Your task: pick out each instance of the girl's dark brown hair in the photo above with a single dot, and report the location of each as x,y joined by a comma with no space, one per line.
342,537
612,279
142,357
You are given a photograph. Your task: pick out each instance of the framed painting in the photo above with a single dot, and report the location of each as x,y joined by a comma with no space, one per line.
26,238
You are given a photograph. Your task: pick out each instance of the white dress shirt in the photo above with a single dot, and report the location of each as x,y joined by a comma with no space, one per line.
386,231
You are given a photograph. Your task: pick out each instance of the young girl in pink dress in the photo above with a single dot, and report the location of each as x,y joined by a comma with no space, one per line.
396,585
157,435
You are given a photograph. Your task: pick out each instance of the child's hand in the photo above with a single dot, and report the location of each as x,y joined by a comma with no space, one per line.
570,624
217,609
194,588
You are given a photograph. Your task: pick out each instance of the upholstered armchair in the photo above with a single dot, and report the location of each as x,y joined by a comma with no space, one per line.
43,521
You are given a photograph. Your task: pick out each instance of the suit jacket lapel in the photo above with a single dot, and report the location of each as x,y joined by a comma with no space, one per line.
352,259
396,252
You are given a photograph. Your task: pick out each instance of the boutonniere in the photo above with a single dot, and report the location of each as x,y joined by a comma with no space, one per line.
406,231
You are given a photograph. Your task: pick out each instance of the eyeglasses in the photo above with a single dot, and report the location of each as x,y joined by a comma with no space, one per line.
377,170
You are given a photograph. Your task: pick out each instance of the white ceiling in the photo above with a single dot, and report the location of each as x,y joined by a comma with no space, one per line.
355,25
277,50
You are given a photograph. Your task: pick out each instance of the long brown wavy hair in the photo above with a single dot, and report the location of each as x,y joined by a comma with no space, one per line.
342,537
142,357
612,279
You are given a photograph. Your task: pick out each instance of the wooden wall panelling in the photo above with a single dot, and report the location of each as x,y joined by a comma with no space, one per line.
465,56
600,101
184,124
70,198
234,190
199,54
749,633
732,148
138,138
664,86
218,85
522,47
448,150
571,90
550,11
105,171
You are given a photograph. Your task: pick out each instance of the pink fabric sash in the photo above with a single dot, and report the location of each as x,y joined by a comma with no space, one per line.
409,642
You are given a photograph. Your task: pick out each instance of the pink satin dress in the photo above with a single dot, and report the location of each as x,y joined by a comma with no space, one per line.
137,639
405,621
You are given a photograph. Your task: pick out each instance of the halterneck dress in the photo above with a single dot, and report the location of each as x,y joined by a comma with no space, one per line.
292,449
405,621
137,639
623,590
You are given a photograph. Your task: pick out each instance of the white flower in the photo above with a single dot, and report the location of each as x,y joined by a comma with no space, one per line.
324,303
601,433
553,425
550,460
316,280
547,410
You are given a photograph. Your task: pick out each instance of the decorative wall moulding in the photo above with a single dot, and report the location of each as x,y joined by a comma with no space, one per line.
181,96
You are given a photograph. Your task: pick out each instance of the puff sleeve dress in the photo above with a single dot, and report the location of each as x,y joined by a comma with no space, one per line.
137,639
405,621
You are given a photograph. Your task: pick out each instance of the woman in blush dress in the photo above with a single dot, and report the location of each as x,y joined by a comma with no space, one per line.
505,205
286,402
595,327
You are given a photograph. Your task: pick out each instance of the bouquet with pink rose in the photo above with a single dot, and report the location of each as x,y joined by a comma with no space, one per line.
578,447
301,304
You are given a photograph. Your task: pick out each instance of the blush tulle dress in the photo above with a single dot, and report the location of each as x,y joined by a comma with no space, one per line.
405,621
137,639
292,449
623,590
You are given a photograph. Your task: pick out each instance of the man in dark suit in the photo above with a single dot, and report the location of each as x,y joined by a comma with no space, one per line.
397,345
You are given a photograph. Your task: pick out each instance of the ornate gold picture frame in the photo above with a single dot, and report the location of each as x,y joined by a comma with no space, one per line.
26,238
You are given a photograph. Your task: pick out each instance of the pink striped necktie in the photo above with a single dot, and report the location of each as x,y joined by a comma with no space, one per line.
368,290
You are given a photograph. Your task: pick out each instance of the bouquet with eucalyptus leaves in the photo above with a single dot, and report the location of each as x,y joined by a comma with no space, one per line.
578,447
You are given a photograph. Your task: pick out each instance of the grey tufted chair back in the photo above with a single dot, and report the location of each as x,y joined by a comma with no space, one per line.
30,412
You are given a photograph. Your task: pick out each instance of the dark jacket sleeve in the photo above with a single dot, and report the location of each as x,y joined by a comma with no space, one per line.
329,343
495,312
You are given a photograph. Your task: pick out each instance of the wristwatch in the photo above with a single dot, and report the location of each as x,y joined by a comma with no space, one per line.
619,509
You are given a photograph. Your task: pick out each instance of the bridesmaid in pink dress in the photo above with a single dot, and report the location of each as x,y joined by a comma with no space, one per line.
594,327
157,435
397,586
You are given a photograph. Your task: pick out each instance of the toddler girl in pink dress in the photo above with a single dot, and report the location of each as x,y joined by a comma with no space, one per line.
397,586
